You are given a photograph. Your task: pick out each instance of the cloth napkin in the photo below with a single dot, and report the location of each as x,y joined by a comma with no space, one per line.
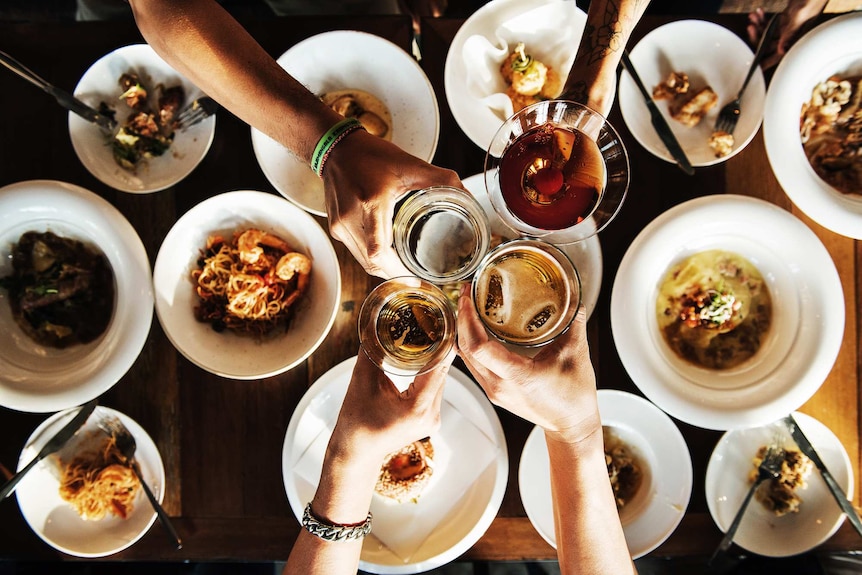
550,33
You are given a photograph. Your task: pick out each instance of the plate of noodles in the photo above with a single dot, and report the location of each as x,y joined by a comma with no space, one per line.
437,516
107,494
247,285
650,471
354,73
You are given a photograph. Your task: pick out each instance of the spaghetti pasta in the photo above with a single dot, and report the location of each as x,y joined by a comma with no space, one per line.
249,285
100,483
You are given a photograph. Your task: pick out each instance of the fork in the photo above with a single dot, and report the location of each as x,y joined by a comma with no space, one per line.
127,445
729,114
200,109
769,468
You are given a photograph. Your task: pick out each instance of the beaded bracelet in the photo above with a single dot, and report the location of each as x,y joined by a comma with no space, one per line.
329,532
328,141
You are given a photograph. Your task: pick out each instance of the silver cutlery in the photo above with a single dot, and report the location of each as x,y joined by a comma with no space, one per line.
54,444
806,448
658,121
127,445
199,110
728,116
769,468
64,98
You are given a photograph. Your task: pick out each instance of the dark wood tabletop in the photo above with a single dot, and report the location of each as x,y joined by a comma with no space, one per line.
221,439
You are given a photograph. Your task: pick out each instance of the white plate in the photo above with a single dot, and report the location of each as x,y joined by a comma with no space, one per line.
656,510
709,54
807,324
456,507
586,255
833,47
56,521
37,378
100,83
227,354
473,85
760,531
347,59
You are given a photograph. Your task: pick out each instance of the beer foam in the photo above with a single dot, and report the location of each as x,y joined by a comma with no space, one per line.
519,300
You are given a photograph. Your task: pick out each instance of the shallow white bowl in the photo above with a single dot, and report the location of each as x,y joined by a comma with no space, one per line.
709,54
760,531
456,507
228,354
807,324
38,378
55,521
658,507
342,60
100,83
833,47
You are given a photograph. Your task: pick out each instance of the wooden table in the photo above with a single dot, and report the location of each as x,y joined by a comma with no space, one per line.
220,439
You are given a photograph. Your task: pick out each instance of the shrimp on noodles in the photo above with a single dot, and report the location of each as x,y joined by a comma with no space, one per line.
250,285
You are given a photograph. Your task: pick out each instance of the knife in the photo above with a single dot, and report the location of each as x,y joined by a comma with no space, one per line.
659,123
54,444
65,99
838,493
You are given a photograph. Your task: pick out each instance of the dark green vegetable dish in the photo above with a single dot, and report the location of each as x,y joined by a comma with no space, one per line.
61,292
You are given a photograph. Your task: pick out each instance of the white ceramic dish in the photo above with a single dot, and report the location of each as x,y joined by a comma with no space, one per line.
586,255
830,48
100,83
807,324
456,507
760,531
38,378
474,88
227,354
342,60
656,510
711,55
55,521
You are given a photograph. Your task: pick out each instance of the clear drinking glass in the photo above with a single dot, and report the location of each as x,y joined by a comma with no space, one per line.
526,292
557,170
441,234
406,326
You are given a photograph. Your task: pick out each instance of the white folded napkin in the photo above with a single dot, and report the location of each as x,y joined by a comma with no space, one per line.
550,33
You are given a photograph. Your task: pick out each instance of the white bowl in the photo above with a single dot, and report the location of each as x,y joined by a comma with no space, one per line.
709,54
831,48
100,83
37,378
351,60
807,324
586,254
55,521
760,531
455,508
228,354
475,90
658,507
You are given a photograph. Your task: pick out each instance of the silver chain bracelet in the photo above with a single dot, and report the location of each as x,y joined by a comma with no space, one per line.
329,532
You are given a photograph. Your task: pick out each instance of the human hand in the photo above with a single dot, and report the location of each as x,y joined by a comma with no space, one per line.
556,389
790,26
364,178
376,419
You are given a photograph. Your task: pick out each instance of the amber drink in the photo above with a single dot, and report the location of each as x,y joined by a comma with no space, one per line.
526,292
406,326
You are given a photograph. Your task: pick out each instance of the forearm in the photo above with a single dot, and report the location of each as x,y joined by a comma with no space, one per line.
592,77
208,46
589,535
343,497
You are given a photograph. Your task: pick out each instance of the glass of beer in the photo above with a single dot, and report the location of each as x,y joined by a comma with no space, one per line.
406,326
526,292
441,234
556,170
